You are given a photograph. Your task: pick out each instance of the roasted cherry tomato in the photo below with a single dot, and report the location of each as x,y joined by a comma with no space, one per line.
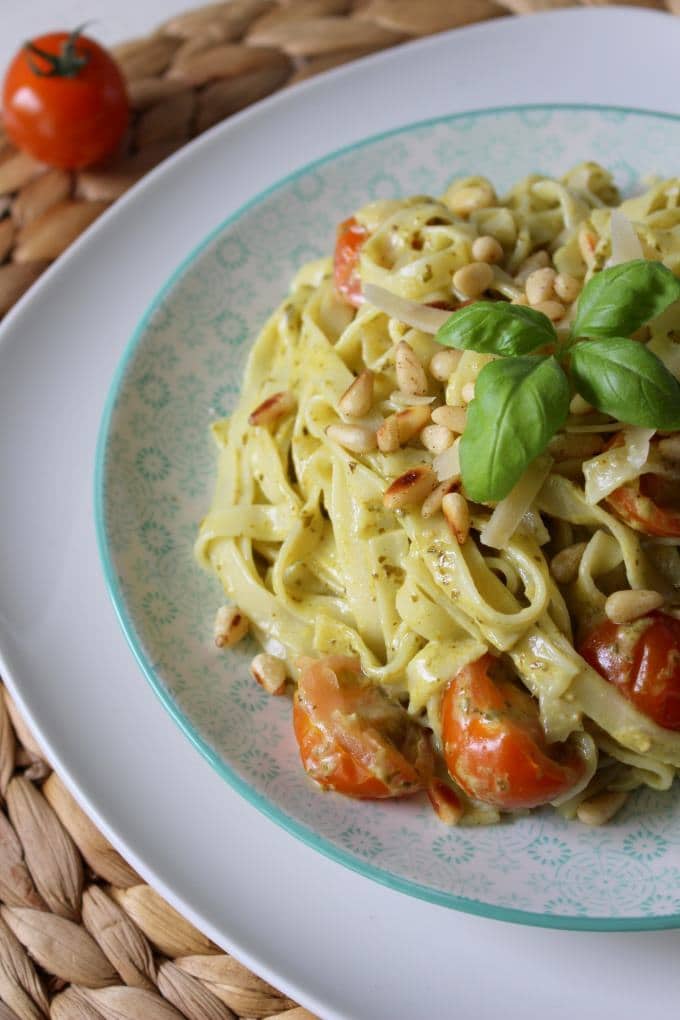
650,504
64,100
352,739
351,236
642,659
494,745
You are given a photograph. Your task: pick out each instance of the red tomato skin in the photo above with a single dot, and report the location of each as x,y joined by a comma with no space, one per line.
494,746
67,122
639,504
350,240
642,659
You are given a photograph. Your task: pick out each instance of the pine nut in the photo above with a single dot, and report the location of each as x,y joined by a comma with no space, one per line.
357,438
436,438
433,503
470,198
564,566
273,408
538,260
444,364
579,406
411,376
626,606
357,399
575,444
487,249
521,299
473,279
399,428
410,488
269,672
457,514
670,447
468,392
539,286
453,418
600,809
553,309
229,627
567,287
445,801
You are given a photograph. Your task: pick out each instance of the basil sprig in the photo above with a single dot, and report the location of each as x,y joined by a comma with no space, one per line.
521,401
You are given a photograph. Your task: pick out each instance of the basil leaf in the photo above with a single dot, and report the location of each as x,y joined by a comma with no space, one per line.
497,327
619,300
623,378
518,406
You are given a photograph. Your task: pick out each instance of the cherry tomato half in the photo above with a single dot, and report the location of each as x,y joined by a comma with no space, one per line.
64,100
650,504
642,659
352,739
494,745
351,237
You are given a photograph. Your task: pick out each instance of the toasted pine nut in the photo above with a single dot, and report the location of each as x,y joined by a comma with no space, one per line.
229,627
600,809
567,287
269,672
396,430
670,447
411,376
487,249
410,488
273,408
444,364
457,514
436,438
453,418
445,801
564,566
538,260
433,503
357,438
521,299
539,285
470,198
626,606
357,399
553,309
575,444
468,392
579,406
473,279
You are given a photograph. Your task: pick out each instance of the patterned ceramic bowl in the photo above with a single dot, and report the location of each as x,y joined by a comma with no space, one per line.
155,474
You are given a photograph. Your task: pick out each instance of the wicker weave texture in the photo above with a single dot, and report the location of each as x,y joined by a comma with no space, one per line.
82,937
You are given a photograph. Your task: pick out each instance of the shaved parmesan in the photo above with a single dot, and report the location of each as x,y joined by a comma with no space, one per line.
625,242
618,465
447,464
510,512
422,317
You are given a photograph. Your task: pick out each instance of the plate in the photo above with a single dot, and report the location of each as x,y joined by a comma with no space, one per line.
156,472
292,915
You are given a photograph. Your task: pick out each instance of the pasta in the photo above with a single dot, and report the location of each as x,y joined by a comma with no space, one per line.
341,530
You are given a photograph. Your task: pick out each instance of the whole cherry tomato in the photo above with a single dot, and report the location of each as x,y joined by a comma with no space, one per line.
352,739
650,504
642,659
350,239
64,100
494,745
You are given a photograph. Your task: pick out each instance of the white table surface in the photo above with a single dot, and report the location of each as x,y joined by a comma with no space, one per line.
361,941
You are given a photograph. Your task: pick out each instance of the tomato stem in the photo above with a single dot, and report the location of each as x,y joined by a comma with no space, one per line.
67,64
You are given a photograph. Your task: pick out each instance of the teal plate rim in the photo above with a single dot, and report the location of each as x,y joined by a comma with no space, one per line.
297,829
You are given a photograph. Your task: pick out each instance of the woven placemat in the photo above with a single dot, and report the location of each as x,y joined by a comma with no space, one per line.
81,935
